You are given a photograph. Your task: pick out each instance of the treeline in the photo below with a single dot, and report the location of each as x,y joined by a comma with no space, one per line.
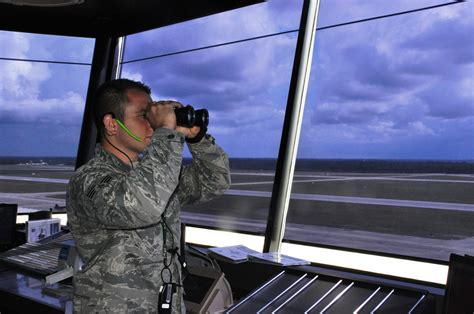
15,160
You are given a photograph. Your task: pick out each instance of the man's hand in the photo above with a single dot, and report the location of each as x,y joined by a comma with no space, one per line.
188,132
161,114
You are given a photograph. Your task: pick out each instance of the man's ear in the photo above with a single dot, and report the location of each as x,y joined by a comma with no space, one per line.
110,125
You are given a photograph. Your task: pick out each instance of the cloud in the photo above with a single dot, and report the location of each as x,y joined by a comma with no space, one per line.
44,47
243,85
22,91
58,111
375,85
250,21
372,82
340,113
394,78
13,45
446,101
132,75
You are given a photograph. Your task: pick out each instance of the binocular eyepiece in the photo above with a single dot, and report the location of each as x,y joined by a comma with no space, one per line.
188,117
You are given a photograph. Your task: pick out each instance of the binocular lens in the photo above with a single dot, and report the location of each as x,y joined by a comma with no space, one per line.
202,117
187,117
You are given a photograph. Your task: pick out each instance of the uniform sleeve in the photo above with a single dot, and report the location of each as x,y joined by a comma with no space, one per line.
208,176
134,199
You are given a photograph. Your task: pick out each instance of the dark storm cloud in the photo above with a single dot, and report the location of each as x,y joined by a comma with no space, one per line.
251,21
445,47
189,77
342,113
50,118
43,93
218,69
39,139
361,73
454,39
224,79
445,101
357,86
372,68
425,74
8,116
221,79
65,111
374,86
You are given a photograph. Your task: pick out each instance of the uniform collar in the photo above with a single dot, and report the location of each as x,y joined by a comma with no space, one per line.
109,158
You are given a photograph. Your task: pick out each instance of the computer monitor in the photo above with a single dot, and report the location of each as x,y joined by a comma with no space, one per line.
459,293
7,225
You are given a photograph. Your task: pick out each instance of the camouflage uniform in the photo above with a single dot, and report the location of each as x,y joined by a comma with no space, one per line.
115,214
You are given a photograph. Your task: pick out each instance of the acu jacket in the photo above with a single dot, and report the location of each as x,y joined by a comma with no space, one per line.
117,215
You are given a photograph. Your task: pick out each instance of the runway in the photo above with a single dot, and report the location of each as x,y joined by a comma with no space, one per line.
360,200
28,202
34,179
43,198
425,215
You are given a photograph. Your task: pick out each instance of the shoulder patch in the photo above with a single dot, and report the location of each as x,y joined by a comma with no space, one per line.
106,179
92,191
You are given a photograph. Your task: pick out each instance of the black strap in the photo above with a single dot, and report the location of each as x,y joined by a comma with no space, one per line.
198,137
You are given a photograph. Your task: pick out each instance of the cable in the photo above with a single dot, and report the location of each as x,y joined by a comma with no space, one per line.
291,31
211,46
131,163
166,266
389,15
45,61
247,39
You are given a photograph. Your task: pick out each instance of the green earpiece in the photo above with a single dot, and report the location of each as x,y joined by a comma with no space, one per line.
123,127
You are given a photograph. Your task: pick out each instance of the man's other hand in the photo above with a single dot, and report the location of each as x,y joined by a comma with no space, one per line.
188,132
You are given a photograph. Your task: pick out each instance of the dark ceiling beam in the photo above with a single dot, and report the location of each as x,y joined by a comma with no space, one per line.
114,18
102,70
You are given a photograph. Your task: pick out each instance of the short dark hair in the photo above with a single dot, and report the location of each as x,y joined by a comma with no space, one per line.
111,96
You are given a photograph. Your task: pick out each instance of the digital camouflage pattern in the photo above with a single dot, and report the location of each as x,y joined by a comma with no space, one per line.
115,215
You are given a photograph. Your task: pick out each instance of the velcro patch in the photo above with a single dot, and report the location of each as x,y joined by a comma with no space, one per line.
106,179
92,191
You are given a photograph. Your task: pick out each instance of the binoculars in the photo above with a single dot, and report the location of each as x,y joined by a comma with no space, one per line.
188,117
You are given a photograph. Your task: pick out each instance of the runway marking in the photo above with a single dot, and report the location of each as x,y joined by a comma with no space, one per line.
252,183
294,181
34,201
411,179
322,179
361,200
360,179
42,197
34,179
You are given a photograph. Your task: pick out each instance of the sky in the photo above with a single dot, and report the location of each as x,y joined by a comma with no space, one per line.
395,88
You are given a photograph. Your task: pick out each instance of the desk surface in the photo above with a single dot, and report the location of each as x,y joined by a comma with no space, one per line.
22,292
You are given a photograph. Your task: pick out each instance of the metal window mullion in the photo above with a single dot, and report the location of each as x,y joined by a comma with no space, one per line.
119,53
103,63
291,129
